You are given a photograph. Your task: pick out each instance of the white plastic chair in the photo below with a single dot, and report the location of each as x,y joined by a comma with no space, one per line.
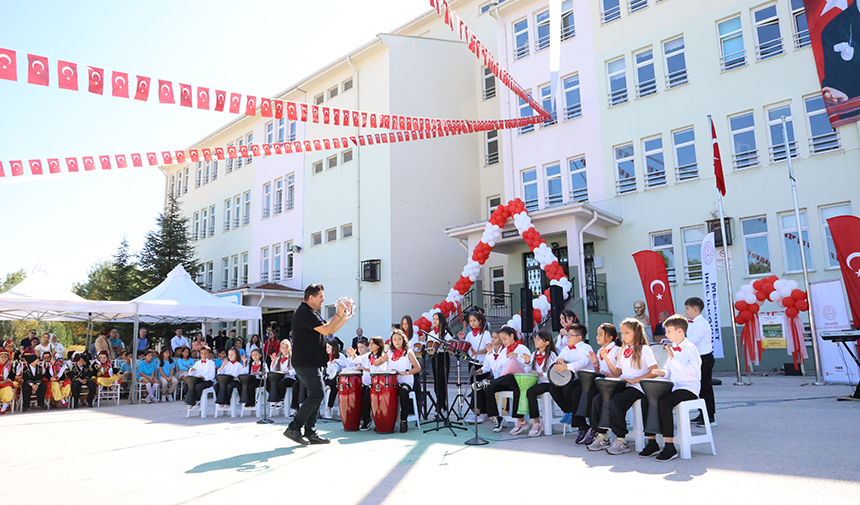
324,403
232,408
108,393
548,418
415,416
260,403
205,396
507,418
141,389
685,438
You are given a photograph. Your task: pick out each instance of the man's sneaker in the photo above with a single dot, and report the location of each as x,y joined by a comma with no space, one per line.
599,444
497,424
536,430
315,439
327,413
651,449
364,426
620,446
481,385
589,438
519,427
668,453
580,436
295,436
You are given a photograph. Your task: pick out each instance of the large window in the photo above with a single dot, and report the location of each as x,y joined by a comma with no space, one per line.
791,242
572,98
548,104
234,277
246,273
204,223
521,39
744,151
610,10
801,28
210,274
831,261
768,39
530,189
553,185
228,213
225,272
646,79
246,217
526,111
774,127
172,186
267,199
655,166
676,62
661,243
291,191
185,188
568,30
578,179
229,160
732,53
493,203
625,169
276,261
756,249
212,221
270,132
491,148
686,167
264,264
822,136
207,172
198,180
237,208
250,139
489,83
616,72
279,196
195,230
693,252
542,29
288,260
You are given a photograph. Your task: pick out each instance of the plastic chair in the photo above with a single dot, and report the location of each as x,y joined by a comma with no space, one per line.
638,425
232,407
416,416
285,406
507,418
108,393
547,411
260,403
324,404
685,438
205,395
141,389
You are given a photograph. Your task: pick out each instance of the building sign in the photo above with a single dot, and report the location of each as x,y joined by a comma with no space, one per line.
510,233
772,330
234,298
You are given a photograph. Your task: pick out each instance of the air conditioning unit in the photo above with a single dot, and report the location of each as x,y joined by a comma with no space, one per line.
714,226
370,270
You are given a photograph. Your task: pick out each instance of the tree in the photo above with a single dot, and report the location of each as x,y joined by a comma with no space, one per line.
97,286
123,278
7,328
167,246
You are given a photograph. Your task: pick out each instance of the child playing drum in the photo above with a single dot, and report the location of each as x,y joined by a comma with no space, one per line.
539,363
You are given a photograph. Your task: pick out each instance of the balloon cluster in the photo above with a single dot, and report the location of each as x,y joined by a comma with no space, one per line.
783,292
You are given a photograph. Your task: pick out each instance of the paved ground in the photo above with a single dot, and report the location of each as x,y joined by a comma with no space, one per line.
777,442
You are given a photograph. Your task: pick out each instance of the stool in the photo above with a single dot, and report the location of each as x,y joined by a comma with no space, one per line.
548,414
685,438
232,408
638,425
507,418
204,402
260,403
110,393
324,403
416,416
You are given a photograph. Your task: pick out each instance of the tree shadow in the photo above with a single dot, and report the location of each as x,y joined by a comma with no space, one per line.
254,462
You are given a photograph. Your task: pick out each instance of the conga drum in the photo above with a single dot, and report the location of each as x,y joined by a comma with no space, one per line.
608,387
654,389
349,396
524,381
272,381
383,400
249,383
223,381
191,381
586,381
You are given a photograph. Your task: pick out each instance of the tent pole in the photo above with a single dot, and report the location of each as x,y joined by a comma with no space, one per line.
133,390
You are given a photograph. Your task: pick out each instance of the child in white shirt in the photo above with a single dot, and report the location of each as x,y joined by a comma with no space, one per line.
573,357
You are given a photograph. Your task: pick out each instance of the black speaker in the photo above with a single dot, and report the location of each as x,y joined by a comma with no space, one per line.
527,310
556,306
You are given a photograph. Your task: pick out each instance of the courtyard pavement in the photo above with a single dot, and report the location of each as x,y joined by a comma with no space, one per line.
777,442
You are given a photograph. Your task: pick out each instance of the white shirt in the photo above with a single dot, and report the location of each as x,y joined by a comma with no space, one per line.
41,349
204,368
611,355
59,349
284,364
503,360
629,370
364,362
577,358
401,365
478,342
178,342
232,368
547,364
684,368
264,369
699,334
491,363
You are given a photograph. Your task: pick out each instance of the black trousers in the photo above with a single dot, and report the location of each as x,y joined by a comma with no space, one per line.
707,392
27,392
278,389
481,396
222,397
365,403
618,407
298,392
406,409
592,393
532,394
441,369
568,397
313,380
194,394
76,392
332,396
665,405
503,383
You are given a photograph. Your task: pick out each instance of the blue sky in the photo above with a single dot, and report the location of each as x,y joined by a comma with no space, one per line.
250,47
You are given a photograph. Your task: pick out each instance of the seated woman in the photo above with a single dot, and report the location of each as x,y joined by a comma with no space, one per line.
513,351
183,363
336,362
401,359
233,366
166,376
147,374
368,359
82,374
539,363
59,349
8,383
59,387
282,362
258,368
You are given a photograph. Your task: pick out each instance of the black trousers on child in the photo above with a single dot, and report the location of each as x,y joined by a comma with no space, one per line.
278,389
481,396
223,396
567,397
707,390
332,396
665,405
406,409
533,395
27,392
194,394
76,392
618,407
365,403
503,383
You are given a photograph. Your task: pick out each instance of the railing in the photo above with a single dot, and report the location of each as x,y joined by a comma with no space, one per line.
521,52
636,5
212,231
617,97
527,129
224,284
801,39
568,32
693,273
246,219
208,286
278,207
626,185
491,158
676,78
532,205
777,153
276,276
490,92
732,61
553,200
197,183
205,179
236,222
553,119
655,179
203,233
542,43
194,236
646,88
769,49
745,160
226,225
610,14
497,304
215,173
687,172
597,299
233,283
264,277
244,279
288,273
579,195
824,143
573,111
185,189
266,212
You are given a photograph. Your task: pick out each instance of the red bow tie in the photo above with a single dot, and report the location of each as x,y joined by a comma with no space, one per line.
689,320
571,347
676,349
203,361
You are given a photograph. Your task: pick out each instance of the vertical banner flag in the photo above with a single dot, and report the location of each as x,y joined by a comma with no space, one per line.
845,231
655,283
711,294
718,162
831,314
554,50
831,32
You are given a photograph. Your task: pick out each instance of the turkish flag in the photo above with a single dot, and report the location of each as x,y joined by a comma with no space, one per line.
315,113
207,154
255,149
152,159
297,146
354,141
362,140
202,98
193,155
265,107
376,138
304,112
9,65
231,152
317,145
335,113
408,123
89,164
54,166
36,167
235,102
142,92
167,157
344,142
2,173
180,156
267,149
120,161
278,149
364,119
67,73
846,238
250,105
400,136
37,70
402,123
327,144
165,92
136,160
279,109
373,120
105,162
244,151
184,95
119,81
308,146
326,115
414,135
288,147
72,164
355,118
292,111
17,168
718,164
386,121
655,283
220,98
384,138
335,142
345,114
219,153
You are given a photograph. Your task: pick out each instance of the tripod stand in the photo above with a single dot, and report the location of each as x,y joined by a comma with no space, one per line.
263,397
423,406
445,422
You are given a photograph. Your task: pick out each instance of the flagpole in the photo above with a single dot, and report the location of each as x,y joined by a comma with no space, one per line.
818,381
740,380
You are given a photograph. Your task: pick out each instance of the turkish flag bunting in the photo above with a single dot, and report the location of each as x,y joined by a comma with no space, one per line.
167,157
89,164
9,65
165,92
37,70
326,115
255,149
36,167
292,111
279,109
72,164
180,156
354,141
402,123
235,102
317,145
335,142
202,98
718,164
377,138
369,139
2,173
304,112
354,118
266,107
136,160
220,99
105,162
315,113
297,147
288,147
846,238
361,140
414,135
394,122
219,153
343,142
373,120
243,150
364,119
120,161
384,138
231,152
152,159
184,95
250,105
409,123
17,168
267,149
207,154
345,114
54,165
308,146
119,83
278,148
142,92
327,144
193,155
655,283
400,136
67,73
336,116
386,121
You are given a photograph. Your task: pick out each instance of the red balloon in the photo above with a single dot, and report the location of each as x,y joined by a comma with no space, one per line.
753,308
747,314
772,279
788,302
741,305
791,312
767,288
536,315
801,305
757,285
798,294
760,296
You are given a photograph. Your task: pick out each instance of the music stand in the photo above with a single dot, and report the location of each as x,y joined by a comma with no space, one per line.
445,422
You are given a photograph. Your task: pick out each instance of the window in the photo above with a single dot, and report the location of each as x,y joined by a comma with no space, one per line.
291,191
185,188
279,196
204,223
229,160
526,111
636,5
610,10
172,186
492,203
744,151
347,85
791,242
239,160
822,136
246,218
655,167
646,79
282,129
288,260
693,252
676,62
246,274
768,38
489,82
756,249
276,261
530,189
553,185
542,28
491,148
319,99
267,199
625,169
661,243
214,169
521,39
228,213
178,184
346,231
332,93
270,133
331,235
731,44
237,207
250,140
617,82
330,311
198,180
210,274
234,277
318,167
331,162
572,98
830,259
497,276
346,157
225,272
774,127
568,31
264,264
548,104
195,230
316,238
686,167
207,172
212,221
801,28
578,179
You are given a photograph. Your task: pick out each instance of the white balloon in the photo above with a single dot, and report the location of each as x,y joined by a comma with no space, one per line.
740,295
778,284
472,278
750,298
774,296
785,292
747,288
792,285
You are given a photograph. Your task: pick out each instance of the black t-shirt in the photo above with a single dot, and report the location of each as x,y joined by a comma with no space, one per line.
308,344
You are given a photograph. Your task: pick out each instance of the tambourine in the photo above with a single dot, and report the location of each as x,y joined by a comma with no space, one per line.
349,303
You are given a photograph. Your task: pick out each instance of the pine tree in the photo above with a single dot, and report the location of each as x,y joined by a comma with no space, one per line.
167,246
123,279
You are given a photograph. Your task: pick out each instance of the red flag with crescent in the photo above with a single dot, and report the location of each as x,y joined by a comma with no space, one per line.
67,74
184,95
165,92
235,102
655,283
845,231
718,163
202,98
142,92
119,84
36,167
220,98
72,164
37,70
9,65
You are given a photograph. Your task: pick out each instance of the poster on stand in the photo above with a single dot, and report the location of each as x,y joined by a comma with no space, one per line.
773,330
831,314
711,294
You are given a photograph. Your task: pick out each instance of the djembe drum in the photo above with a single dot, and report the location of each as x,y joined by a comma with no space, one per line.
191,381
223,381
608,387
248,388
524,381
654,389
383,400
349,398
586,382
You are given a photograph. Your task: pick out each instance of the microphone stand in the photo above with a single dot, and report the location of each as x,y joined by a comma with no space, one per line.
446,422
477,440
264,397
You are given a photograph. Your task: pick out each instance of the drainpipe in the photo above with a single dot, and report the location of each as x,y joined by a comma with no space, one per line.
357,230
582,287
